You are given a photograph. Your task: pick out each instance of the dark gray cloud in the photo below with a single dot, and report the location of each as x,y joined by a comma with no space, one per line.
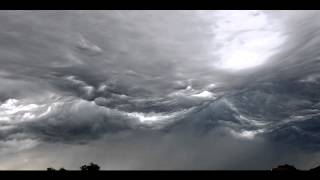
159,89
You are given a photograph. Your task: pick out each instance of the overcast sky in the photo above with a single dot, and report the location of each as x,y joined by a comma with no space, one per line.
159,89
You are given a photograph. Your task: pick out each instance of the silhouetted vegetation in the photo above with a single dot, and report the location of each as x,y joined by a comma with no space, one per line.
51,169
316,169
62,169
285,167
89,167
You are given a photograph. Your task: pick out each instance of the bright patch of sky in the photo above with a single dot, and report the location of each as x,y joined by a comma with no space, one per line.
245,39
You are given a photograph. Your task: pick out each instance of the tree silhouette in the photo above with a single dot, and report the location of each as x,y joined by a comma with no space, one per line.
90,167
51,169
285,167
316,169
62,169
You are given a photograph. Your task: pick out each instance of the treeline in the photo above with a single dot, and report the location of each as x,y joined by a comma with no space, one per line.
285,167
89,167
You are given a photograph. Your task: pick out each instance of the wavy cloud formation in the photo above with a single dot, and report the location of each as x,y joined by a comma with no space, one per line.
202,86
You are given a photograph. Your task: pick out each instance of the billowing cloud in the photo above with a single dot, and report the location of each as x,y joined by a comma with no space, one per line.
202,86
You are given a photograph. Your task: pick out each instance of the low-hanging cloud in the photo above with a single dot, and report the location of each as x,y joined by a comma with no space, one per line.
159,83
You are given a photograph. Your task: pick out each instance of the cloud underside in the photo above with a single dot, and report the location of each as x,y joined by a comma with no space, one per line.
190,82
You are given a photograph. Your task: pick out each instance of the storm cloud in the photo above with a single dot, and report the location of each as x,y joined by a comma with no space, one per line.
159,89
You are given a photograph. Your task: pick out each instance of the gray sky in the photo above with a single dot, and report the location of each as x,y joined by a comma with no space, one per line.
159,89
